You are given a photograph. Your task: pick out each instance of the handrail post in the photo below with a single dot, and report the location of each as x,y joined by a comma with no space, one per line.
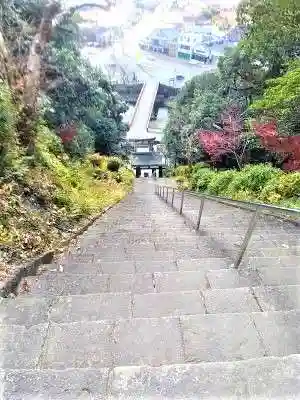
181,204
247,238
163,192
167,194
200,213
173,194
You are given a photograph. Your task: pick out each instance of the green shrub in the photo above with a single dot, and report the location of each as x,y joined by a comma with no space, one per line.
62,199
220,181
114,164
100,174
245,195
252,178
127,176
283,187
183,170
293,202
98,161
202,178
182,182
197,167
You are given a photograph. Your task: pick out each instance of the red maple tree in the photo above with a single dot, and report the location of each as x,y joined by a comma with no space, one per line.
287,146
228,140
67,132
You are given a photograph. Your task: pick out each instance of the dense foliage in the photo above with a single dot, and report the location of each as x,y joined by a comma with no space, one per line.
261,182
261,77
56,111
41,65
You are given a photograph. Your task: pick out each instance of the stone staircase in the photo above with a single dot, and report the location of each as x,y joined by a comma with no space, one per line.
142,307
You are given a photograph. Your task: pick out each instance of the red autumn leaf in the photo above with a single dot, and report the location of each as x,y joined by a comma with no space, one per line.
288,146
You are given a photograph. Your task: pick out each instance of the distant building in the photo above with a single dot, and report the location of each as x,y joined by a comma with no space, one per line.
193,23
162,40
186,41
201,52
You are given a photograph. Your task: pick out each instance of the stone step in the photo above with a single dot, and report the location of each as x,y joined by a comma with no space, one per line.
230,278
30,310
264,276
274,251
151,341
59,284
97,277
274,298
129,267
283,261
265,378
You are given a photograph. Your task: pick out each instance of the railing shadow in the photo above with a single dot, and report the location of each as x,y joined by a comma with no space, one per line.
238,227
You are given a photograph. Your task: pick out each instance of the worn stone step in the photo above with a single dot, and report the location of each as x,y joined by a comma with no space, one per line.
274,251
274,298
152,276
29,310
265,378
55,283
279,276
230,278
168,304
282,261
203,263
236,300
270,377
188,263
266,276
65,283
151,341
101,267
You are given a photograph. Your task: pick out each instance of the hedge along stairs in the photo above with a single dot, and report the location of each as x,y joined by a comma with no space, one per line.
144,308
260,182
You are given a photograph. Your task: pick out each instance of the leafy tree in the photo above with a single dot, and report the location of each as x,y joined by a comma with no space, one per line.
198,105
25,31
288,146
228,141
242,79
272,32
281,100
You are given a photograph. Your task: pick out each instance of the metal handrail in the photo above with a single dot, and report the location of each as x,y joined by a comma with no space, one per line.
256,208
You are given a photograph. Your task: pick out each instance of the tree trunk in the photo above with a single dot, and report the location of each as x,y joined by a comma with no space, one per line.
32,77
27,128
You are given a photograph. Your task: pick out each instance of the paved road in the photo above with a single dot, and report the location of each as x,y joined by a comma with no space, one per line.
141,307
155,66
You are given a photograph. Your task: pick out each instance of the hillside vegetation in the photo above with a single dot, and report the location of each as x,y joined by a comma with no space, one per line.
57,115
247,111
